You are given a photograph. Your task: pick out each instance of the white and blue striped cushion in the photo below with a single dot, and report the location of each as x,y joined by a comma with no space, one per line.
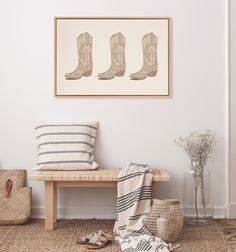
66,146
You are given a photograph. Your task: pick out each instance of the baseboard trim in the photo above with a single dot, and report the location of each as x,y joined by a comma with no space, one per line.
231,211
106,212
219,212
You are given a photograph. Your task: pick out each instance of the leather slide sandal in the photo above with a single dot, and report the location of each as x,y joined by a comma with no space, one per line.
85,239
99,240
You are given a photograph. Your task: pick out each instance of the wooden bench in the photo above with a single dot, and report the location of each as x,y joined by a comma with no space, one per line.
95,178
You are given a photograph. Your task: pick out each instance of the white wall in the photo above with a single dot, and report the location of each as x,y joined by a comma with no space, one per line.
140,130
232,189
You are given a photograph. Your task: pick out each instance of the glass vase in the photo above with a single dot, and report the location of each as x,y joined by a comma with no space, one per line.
197,197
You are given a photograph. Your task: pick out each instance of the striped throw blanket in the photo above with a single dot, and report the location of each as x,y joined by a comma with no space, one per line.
133,205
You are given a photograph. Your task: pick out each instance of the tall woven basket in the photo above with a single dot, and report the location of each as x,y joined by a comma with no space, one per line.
165,219
15,198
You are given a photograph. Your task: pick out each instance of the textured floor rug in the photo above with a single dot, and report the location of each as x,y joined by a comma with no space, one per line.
220,236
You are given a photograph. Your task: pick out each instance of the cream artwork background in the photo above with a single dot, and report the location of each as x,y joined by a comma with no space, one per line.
101,31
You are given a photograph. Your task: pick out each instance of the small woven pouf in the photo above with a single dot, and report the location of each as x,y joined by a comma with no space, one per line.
165,219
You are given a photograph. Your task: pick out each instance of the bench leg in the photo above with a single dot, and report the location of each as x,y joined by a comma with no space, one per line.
55,205
50,204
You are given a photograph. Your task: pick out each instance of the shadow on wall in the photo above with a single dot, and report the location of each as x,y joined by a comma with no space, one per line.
170,190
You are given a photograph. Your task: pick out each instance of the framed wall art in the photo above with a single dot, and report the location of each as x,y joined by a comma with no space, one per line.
112,56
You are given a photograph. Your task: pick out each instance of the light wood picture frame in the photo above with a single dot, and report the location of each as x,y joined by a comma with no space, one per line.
112,56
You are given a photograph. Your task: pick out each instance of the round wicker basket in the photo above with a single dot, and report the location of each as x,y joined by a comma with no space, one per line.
165,219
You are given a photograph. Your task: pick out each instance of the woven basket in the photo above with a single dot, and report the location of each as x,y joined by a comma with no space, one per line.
17,177
17,209
165,219
15,199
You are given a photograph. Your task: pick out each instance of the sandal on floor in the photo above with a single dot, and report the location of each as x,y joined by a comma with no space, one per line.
85,239
99,240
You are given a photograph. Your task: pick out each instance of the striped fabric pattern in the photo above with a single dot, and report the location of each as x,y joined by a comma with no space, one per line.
66,146
133,205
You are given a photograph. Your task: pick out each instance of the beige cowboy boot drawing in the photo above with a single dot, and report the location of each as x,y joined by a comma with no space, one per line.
85,61
117,68
149,68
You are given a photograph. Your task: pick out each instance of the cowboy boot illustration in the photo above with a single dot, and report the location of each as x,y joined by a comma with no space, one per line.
117,68
85,61
149,68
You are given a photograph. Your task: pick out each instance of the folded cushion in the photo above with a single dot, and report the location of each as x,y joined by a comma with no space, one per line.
66,146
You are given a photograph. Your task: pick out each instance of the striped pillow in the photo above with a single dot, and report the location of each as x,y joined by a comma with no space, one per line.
66,146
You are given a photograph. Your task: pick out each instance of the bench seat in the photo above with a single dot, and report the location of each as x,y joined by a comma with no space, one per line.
91,178
91,175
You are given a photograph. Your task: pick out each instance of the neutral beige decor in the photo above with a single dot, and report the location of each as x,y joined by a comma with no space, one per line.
66,146
216,237
16,176
165,219
149,68
85,61
135,46
133,204
117,48
96,178
15,198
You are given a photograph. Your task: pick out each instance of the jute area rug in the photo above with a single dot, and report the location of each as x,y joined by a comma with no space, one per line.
219,236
